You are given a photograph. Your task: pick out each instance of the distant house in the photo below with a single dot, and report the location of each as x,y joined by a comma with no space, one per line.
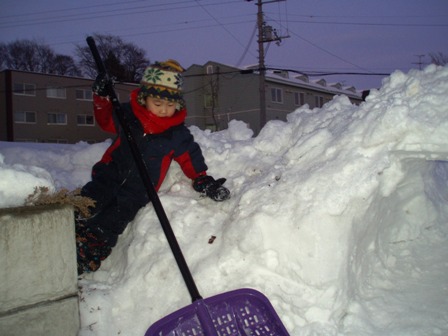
216,93
37,107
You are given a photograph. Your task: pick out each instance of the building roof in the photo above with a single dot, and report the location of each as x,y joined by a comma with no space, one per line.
302,81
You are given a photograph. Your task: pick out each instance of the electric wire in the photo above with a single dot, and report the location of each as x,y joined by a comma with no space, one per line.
25,19
251,39
220,24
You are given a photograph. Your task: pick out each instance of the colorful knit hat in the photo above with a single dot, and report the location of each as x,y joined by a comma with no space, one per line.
162,80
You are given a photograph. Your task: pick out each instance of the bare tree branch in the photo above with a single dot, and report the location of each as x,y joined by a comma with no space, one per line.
125,61
438,58
36,56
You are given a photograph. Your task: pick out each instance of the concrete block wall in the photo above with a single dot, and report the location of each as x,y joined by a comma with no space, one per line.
38,276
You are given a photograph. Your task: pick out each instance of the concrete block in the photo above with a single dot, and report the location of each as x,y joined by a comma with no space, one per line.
58,318
38,268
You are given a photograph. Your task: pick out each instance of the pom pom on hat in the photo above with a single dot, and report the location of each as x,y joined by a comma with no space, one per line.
162,80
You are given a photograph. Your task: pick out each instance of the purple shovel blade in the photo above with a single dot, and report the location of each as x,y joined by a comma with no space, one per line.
242,312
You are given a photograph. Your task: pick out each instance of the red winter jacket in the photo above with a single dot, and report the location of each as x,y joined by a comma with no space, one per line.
160,139
116,185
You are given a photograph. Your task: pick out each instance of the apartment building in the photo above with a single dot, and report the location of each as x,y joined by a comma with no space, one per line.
216,93
37,107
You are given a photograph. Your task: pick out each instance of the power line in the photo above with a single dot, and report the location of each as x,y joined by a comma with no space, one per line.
302,72
220,24
95,14
322,73
357,16
247,46
230,72
327,51
55,11
84,16
373,24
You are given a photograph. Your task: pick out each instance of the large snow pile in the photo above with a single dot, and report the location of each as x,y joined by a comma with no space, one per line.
339,216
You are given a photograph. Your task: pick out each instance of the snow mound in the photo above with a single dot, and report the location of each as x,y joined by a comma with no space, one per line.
338,215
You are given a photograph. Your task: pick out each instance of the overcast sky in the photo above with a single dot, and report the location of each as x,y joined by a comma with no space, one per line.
363,36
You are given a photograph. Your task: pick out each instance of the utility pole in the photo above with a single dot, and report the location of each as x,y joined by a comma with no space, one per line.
261,65
265,34
419,63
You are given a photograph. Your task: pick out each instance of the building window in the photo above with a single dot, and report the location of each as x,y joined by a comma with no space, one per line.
56,92
299,98
277,95
57,119
56,141
84,94
24,89
25,117
85,120
210,69
318,101
25,140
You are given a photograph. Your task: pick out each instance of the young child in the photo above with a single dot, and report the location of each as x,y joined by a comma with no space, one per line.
156,116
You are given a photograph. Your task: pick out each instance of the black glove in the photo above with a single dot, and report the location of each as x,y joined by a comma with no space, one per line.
212,188
101,85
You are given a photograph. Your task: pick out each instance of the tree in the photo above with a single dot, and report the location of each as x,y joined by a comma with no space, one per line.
124,61
65,65
3,54
35,56
114,66
438,58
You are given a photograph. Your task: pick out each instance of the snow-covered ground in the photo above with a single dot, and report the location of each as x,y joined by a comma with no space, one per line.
339,216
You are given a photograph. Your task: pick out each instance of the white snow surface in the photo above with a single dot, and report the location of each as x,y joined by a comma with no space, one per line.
338,215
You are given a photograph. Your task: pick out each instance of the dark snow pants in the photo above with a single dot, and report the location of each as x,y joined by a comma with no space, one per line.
117,203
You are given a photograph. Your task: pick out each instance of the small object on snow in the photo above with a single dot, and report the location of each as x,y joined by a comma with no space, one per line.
212,239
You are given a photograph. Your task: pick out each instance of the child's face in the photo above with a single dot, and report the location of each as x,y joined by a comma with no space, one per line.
160,107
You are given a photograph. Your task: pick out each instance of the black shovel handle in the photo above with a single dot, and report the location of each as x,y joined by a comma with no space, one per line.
152,193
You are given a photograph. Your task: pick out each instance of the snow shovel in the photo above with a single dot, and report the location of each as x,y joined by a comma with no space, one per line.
241,312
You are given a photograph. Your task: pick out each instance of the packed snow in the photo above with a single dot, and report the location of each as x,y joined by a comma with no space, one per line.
338,215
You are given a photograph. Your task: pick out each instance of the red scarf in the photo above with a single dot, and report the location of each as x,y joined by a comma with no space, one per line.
151,123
